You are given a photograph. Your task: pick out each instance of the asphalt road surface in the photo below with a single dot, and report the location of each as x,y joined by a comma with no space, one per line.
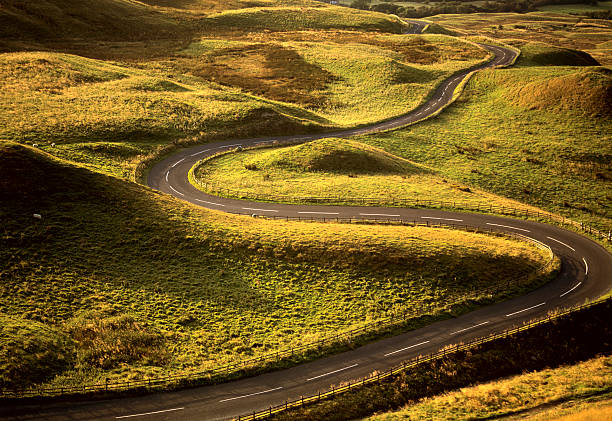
586,273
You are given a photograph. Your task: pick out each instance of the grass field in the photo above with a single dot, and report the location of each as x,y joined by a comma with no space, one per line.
119,281
337,168
579,392
555,29
342,78
112,97
550,147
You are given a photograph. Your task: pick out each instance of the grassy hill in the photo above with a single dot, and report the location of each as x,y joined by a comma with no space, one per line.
540,54
119,281
120,20
225,75
337,168
330,156
56,24
550,147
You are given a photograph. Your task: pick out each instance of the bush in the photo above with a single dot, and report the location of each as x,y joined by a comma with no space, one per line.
106,339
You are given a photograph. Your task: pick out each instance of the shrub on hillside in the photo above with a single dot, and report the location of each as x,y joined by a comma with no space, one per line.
106,338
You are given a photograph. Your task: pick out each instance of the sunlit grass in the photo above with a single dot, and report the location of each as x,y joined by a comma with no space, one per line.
333,168
285,86
550,147
578,392
574,32
203,288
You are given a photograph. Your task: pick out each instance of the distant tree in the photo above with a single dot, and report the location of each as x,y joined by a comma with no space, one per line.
361,4
387,8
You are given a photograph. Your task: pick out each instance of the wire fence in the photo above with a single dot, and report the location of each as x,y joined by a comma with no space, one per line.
406,365
387,323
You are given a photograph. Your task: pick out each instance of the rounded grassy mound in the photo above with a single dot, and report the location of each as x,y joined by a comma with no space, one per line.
333,155
587,91
539,54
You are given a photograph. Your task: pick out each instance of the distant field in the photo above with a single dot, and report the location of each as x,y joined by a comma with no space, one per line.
561,30
579,393
119,281
577,8
342,78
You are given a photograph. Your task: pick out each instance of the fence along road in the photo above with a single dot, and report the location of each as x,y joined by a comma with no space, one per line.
585,275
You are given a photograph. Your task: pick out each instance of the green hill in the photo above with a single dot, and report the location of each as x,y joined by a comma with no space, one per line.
123,20
122,282
588,92
540,54
539,135
333,156
342,170
46,22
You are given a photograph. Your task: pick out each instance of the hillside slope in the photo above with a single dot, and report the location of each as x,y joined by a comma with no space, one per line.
46,22
95,19
550,147
123,282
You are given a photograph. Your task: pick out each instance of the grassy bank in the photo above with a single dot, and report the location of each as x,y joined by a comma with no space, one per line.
550,146
568,391
117,281
442,389
332,168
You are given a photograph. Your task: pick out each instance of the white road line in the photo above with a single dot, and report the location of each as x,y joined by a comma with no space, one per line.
567,292
443,219
229,146
150,413
403,349
251,394
471,327
332,372
167,173
175,190
209,203
507,226
586,265
261,210
525,309
178,162
200,153
561,242
377,214
322,213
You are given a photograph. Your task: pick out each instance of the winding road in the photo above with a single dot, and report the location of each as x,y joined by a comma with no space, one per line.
586,274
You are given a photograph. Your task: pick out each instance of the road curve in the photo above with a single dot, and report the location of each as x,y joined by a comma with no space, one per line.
585,275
